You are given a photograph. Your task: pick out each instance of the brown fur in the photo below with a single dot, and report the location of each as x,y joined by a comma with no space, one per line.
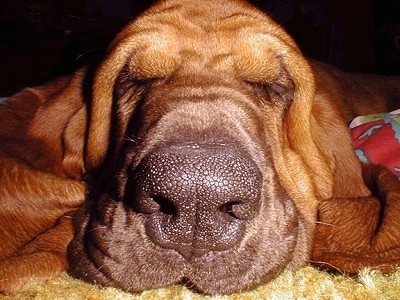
216,72
40,178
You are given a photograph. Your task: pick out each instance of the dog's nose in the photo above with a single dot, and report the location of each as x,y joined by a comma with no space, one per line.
197,197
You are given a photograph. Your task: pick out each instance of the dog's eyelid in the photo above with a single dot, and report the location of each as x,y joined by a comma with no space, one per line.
273,92
279,88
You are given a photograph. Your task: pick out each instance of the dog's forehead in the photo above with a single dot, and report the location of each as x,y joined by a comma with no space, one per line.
218,38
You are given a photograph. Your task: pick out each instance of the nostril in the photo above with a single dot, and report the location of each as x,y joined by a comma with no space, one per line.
166,206
228,208
150,203
238,210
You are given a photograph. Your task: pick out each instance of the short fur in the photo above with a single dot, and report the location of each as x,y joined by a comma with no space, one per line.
204,72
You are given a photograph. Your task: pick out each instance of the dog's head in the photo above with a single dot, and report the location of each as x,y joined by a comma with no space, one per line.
201,127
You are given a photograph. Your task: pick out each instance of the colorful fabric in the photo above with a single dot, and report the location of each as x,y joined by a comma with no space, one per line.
376,139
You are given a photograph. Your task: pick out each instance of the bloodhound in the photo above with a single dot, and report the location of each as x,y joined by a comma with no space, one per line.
208,152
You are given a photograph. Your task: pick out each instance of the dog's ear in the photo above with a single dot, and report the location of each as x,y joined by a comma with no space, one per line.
268,57
135,52
354,233
134,48
51,119
73,142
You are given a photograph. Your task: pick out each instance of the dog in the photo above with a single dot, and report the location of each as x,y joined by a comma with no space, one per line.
208,151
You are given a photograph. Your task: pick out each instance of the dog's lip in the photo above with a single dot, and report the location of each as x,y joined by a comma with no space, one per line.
191,254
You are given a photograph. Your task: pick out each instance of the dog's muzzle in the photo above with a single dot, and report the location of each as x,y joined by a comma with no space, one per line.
196,198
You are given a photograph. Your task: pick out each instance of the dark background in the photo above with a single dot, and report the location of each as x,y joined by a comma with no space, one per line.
41,39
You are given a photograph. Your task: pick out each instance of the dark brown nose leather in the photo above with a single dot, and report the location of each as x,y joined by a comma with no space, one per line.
197,198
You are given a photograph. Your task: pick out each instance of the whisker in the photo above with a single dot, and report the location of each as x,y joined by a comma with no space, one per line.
85,53
131,139
327,224
97,228
323,263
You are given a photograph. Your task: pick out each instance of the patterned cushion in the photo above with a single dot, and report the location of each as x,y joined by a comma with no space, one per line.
376,139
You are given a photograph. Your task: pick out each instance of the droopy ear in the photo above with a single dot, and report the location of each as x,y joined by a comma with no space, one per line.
301,166
49,121
353,233
73,141
133,47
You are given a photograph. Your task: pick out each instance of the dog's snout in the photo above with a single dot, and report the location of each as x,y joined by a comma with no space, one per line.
197,198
